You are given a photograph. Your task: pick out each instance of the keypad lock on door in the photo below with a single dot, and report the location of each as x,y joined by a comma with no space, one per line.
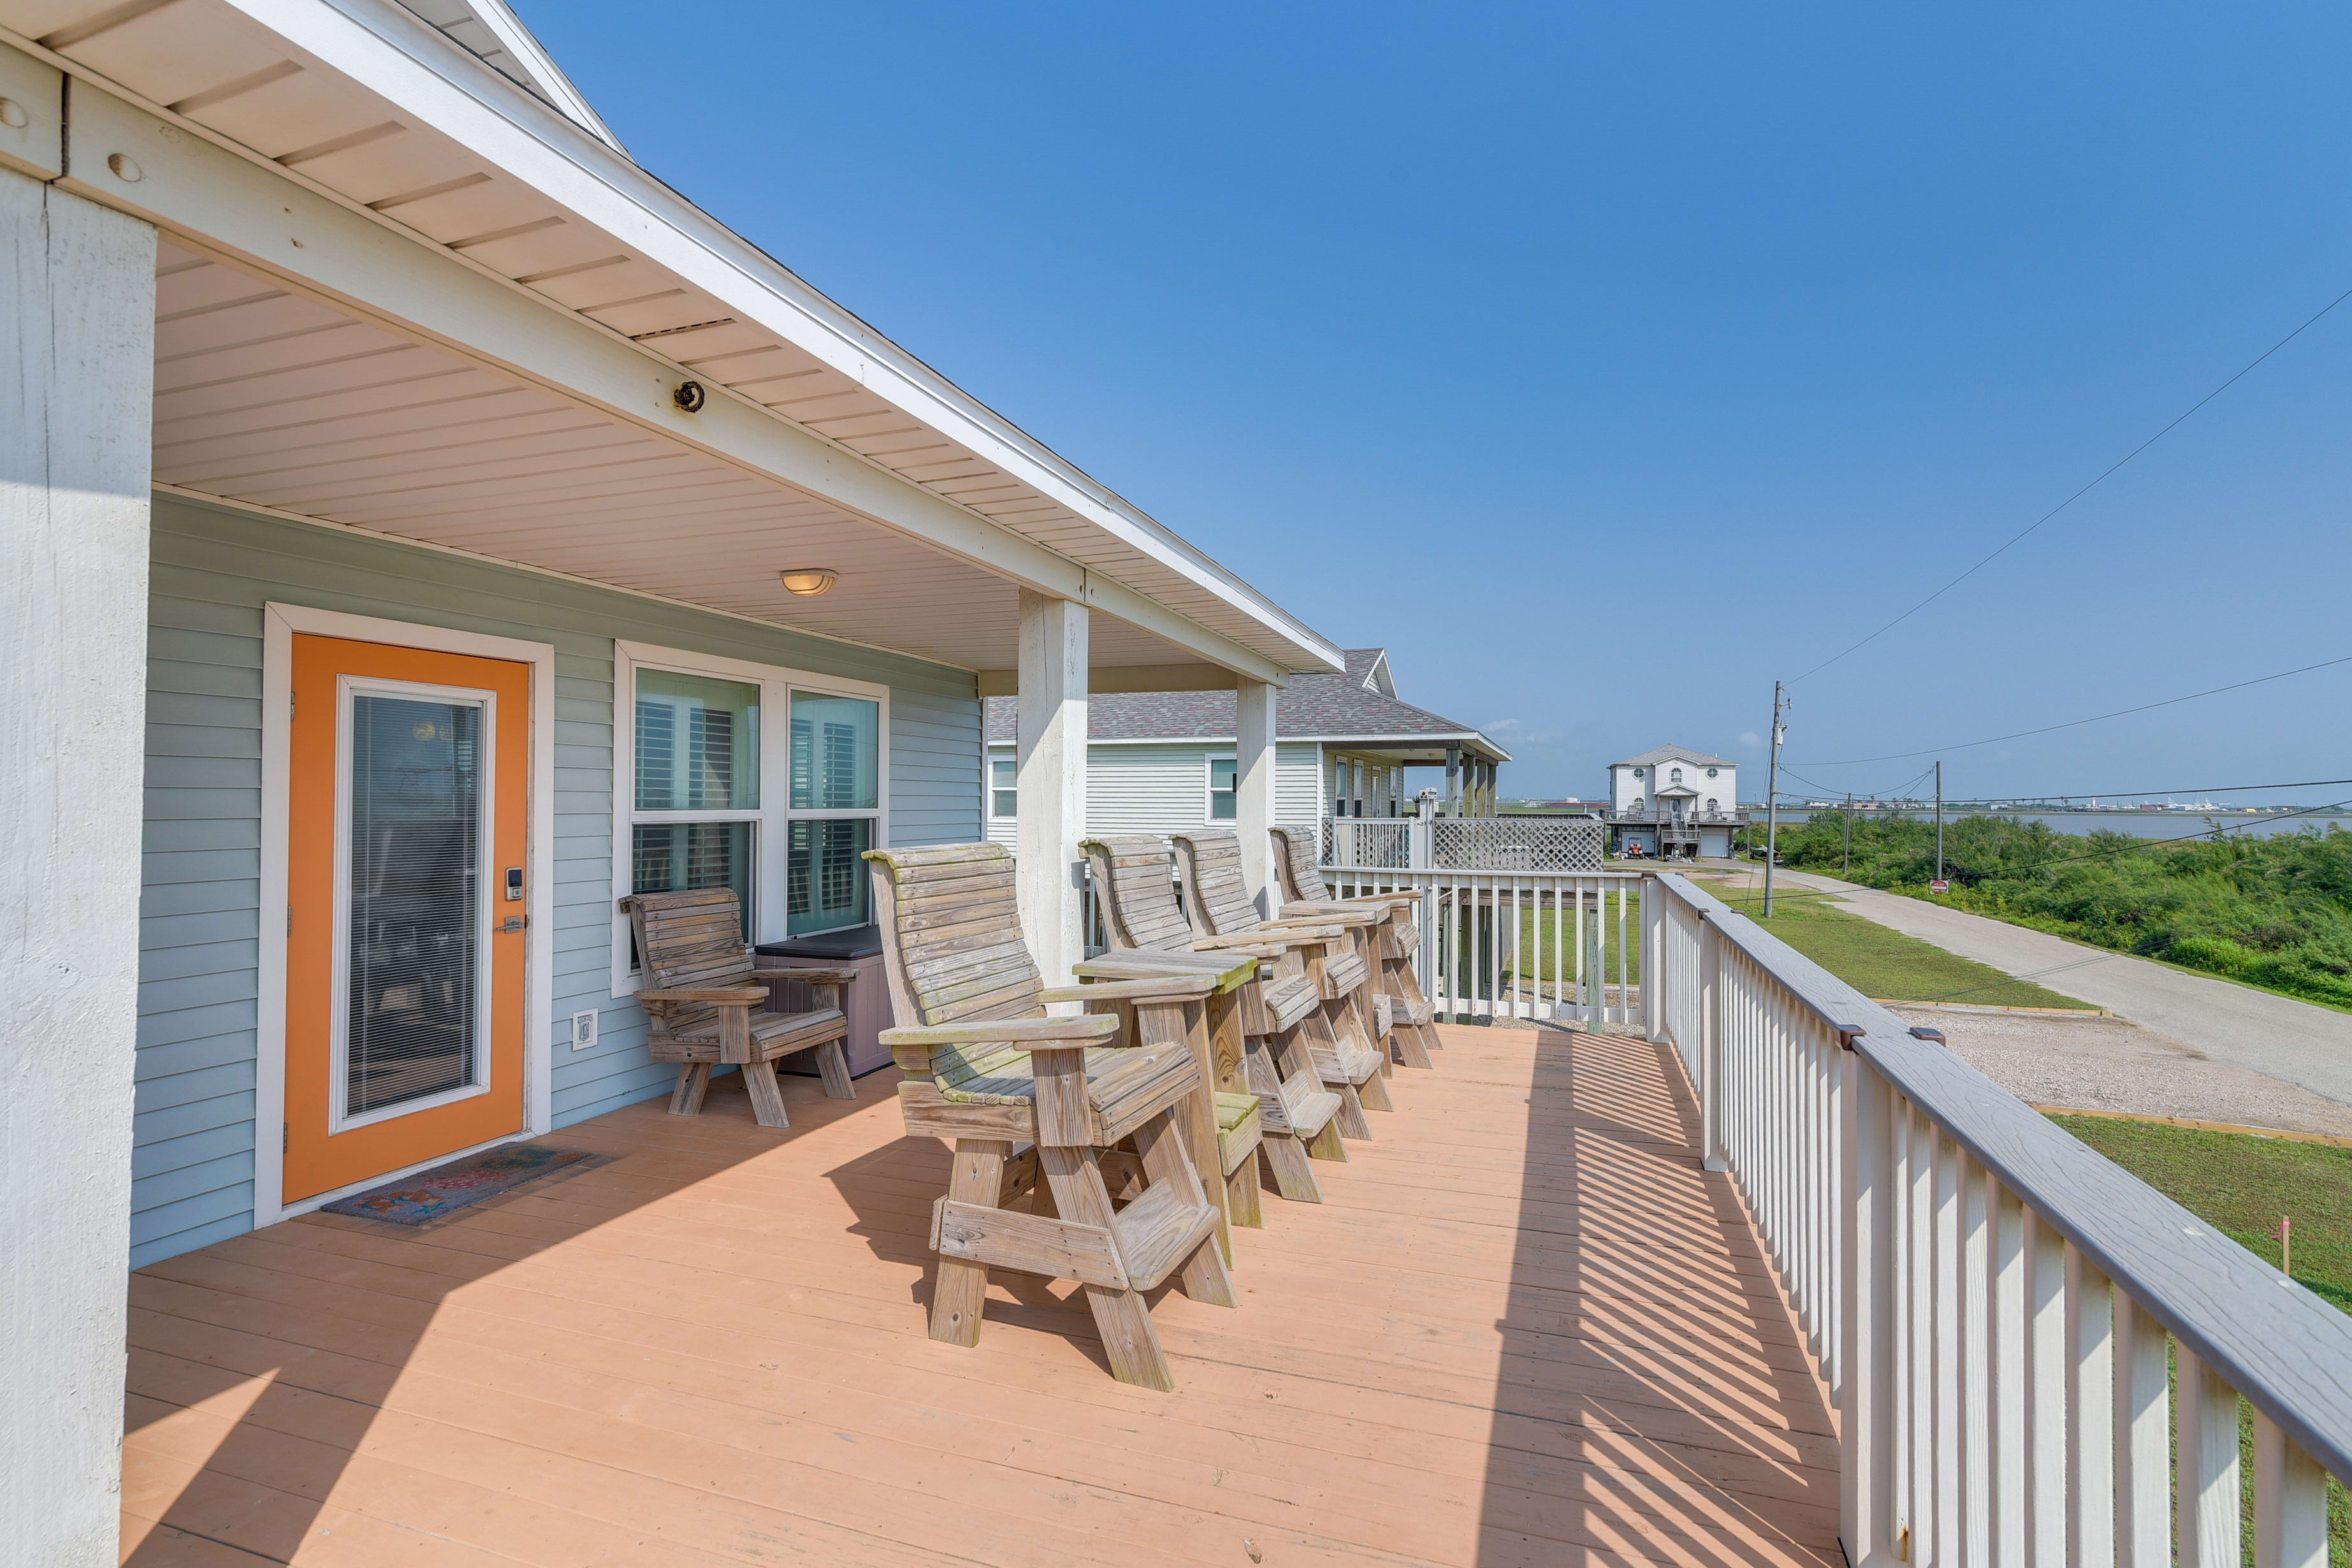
514,883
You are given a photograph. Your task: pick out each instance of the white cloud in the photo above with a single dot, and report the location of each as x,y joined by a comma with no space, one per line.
1499,725
1750,738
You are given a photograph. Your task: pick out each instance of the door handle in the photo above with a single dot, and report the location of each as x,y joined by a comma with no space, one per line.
512,924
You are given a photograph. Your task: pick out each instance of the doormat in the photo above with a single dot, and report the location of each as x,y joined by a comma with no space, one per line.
428,1194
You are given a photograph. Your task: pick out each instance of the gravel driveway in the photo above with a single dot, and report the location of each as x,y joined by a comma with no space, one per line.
2085,1064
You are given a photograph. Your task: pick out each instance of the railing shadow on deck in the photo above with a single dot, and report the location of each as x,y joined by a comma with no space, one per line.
1655,1400
294,1338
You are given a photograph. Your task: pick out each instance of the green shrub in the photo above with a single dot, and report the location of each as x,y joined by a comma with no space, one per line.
2217,953
2276,912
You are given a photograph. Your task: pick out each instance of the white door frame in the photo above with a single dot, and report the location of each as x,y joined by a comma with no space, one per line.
280,623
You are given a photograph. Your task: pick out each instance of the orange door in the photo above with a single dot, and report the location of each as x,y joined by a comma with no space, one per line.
407,819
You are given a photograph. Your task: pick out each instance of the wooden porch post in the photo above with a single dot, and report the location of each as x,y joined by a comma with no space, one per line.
1050,752
76,373
1453,781
1254,799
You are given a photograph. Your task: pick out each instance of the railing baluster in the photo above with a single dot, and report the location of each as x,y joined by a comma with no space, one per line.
2290,1502
1976,1363
1919,1336
1946,1346
2045,1395
2008,1374
2143,1439
2089,1415
2207,1522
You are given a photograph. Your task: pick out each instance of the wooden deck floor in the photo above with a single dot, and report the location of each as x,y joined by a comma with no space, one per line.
1523,1329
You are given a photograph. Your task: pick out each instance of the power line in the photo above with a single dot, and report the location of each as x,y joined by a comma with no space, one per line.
2086,490
2028,797
2077,723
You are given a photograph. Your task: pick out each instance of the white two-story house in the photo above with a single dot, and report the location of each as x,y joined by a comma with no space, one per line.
1674,801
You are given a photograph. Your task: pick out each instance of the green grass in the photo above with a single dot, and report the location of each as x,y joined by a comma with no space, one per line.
1875,959
2240,1184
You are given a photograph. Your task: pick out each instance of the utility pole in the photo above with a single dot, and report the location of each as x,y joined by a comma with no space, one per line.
1772,803
1845,867
1939,819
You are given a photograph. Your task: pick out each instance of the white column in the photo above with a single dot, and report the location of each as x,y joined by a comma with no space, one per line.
1049,747
1253,789
77,373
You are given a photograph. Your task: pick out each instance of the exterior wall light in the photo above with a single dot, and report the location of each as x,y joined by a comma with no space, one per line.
808,582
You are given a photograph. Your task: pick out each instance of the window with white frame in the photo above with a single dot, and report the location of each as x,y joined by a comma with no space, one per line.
1225,775
767,781
1003,792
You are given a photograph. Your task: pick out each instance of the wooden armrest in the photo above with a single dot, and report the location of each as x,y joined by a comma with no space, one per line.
1302,930
1350,914
1257,943
1176,985
816,976
1041,1033
723,995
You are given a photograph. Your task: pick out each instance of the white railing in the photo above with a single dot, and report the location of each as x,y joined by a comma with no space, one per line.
1992,1303
1472,843
1513,945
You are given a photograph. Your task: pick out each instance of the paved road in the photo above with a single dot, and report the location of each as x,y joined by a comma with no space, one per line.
2274,1036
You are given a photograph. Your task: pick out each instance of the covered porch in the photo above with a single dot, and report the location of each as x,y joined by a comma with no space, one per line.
1524,1327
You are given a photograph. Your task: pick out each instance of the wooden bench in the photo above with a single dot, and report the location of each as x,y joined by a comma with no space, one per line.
1413,1028
1218,904
700,987
1258,1051
988,1070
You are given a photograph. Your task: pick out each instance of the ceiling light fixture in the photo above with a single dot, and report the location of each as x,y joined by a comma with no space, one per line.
808,582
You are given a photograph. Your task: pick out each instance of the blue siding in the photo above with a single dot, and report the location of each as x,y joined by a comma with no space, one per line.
214,569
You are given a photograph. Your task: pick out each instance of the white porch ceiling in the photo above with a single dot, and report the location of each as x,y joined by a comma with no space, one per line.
269,398
354,99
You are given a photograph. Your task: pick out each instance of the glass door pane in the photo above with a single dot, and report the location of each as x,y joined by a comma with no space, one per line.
413,933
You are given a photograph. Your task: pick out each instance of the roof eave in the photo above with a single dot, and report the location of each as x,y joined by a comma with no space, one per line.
887,370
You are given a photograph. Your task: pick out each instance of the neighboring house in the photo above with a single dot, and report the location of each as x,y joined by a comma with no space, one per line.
1163,762
420,526
1674,801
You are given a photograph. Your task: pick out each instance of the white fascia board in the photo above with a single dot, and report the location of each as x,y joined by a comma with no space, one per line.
1467,738
227,202
501,22
396,54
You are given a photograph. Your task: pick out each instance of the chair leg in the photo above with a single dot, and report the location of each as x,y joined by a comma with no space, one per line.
832,1067
1121,1318
961,1287
1161,1143
1351,1121
1411,1049
1409,987
767,1094
693,1083
1287,1166
1374,1093
1242,1192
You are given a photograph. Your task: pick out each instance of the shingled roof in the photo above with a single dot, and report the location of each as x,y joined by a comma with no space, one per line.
1356,705
1674,753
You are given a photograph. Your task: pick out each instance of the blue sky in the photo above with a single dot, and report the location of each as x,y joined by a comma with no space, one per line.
1606,363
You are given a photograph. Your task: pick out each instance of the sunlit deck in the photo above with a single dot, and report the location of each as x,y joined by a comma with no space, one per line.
1523,1329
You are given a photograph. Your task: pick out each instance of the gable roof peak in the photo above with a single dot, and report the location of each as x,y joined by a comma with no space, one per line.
1674,753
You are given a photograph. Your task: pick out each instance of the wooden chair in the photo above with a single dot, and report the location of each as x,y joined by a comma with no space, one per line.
1259,1052
700,989
986,1068
1218,905
1304,893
